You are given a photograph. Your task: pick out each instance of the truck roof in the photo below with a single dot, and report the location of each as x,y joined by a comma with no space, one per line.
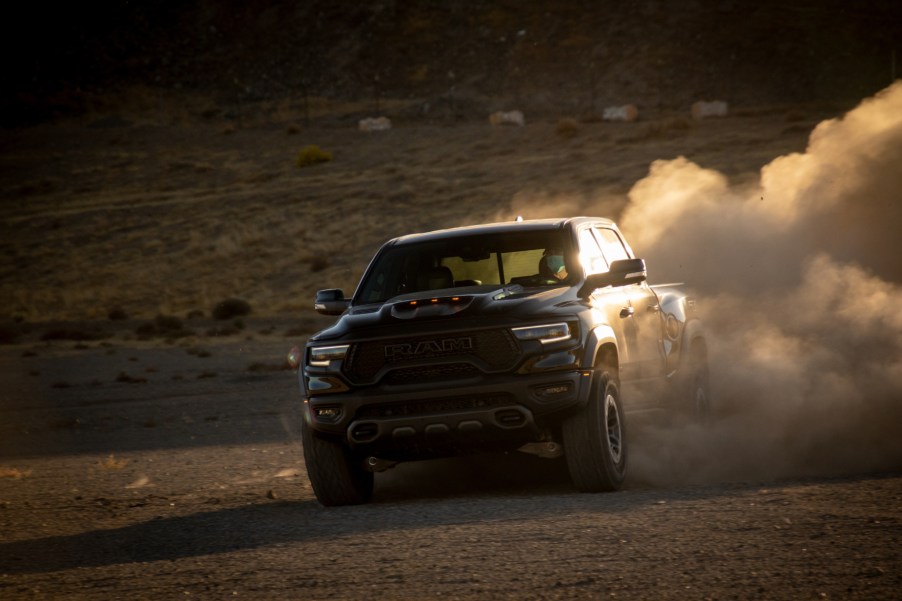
498,228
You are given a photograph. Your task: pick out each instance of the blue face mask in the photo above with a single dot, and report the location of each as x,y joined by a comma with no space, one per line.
555,263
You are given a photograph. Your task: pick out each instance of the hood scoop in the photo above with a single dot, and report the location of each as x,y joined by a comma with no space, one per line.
430,306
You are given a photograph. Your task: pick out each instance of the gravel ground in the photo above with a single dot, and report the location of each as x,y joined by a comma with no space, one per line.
190,484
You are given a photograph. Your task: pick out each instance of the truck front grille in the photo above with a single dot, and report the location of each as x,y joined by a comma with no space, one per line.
421,358
428,373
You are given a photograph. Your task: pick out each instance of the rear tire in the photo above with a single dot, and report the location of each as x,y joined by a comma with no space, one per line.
697,404
337,476
595,440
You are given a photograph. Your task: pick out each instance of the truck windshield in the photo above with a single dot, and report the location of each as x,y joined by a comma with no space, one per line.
539,258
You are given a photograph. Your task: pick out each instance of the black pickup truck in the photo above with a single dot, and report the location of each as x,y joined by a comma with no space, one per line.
542,336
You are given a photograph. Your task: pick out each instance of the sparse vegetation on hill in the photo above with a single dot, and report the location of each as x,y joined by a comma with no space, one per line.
115,225
133,203
446,59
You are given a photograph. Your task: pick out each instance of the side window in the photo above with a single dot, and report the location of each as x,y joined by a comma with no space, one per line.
611,245
590,254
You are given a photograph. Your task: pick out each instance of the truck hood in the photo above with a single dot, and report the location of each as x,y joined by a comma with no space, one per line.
423,312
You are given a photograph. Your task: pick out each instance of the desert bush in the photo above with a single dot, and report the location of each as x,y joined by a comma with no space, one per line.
117,314
146,330
313,155
75,333
567,127
9,333
679,124
316,262
127,379
163,326
168,322
230,308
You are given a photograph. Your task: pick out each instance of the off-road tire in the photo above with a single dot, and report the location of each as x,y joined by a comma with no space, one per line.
696,405
595,440
338,477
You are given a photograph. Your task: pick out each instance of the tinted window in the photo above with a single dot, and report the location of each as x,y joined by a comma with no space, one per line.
488,259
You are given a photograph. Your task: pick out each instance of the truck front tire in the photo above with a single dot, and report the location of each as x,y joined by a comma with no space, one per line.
337,476
595,440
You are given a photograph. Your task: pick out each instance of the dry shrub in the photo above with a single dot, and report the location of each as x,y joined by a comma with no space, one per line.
127,379
168,322
9,333
567,127
88,332
163,326
117,314
231,307
666,128
313,155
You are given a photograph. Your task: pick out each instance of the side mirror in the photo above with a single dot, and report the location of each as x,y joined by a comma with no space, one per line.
622,273
331,302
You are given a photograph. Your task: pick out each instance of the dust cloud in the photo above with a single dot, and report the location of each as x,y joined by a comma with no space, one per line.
800,283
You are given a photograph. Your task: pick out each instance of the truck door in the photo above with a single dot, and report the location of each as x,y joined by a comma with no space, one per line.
645,313
612,306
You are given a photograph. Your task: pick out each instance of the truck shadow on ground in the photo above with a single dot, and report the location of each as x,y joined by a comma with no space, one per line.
279,522
411,496
260,525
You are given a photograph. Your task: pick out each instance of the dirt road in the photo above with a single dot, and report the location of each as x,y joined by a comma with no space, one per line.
173,470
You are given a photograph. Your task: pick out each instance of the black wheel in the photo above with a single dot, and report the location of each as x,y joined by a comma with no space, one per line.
595,440
696,405
337,476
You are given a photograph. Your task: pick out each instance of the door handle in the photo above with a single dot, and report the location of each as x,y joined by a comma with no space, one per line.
627,312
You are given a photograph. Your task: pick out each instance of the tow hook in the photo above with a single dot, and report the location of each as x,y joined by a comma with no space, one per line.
546,450
374,464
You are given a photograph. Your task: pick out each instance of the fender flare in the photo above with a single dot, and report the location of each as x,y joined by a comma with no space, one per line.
693,330
597,337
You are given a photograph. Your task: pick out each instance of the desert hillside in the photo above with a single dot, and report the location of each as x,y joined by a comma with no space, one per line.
447,59
149,163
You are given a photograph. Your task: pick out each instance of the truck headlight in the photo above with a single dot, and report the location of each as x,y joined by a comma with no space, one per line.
547,333
321,356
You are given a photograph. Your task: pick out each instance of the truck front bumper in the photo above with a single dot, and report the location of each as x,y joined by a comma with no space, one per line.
496,408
